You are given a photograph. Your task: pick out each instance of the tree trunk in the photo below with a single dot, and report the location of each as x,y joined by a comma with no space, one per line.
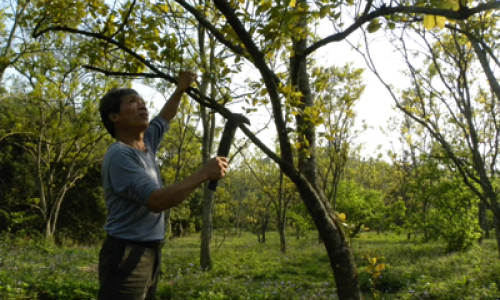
236,222
497,233
206,231
168,224
49,235
307,182
336,244
2,72
495,209
281,229
482,221
263,228
337,247
207,142
281,215
481,55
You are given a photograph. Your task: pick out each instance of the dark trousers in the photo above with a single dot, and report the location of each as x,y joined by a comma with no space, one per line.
128,270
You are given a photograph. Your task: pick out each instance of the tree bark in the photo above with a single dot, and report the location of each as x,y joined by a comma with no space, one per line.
481,55
265,223
281,216
168,224
482,221
206,231
334,239
330,231
207,141
497,233
281,229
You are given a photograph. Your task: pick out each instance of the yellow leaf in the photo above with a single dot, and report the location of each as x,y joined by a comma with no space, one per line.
286,89
373,261
369,269
429,22
165,8
455,6
265,5
292,3
380,267
440,21
263,92
297,145
342,217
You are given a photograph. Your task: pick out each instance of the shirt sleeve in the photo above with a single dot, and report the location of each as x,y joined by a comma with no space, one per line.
154,134
129,178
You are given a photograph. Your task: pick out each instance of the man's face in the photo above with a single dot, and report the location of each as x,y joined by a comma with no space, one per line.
133,113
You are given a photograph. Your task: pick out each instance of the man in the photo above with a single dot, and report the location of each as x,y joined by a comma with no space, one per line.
129,260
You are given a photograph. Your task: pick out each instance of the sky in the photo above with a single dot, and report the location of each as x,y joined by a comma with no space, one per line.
375,106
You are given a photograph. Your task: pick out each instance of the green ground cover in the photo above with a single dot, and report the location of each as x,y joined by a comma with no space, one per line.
244,269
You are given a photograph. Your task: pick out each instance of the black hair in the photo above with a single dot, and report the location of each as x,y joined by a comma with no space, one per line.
110,103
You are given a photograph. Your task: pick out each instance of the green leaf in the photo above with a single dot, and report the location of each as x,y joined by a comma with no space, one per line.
324,11
373,26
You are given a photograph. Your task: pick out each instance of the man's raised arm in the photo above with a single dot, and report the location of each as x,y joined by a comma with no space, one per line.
170,108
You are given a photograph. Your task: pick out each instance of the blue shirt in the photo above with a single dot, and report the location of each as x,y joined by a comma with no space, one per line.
129,177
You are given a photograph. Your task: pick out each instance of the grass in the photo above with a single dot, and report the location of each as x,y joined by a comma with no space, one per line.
244,269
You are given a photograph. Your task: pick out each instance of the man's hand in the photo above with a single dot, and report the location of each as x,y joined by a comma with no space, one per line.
185,80
171,196
169,110
216,168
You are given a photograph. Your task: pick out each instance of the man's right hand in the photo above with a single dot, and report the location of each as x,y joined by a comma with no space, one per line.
216,168
186,78
173,195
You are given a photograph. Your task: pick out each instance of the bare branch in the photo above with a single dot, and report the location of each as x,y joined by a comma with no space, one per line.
461,14
124,21
12,133
208,25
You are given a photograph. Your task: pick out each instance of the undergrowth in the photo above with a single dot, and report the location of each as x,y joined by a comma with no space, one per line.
245,269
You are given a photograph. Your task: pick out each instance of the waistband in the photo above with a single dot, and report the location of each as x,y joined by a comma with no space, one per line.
145,244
